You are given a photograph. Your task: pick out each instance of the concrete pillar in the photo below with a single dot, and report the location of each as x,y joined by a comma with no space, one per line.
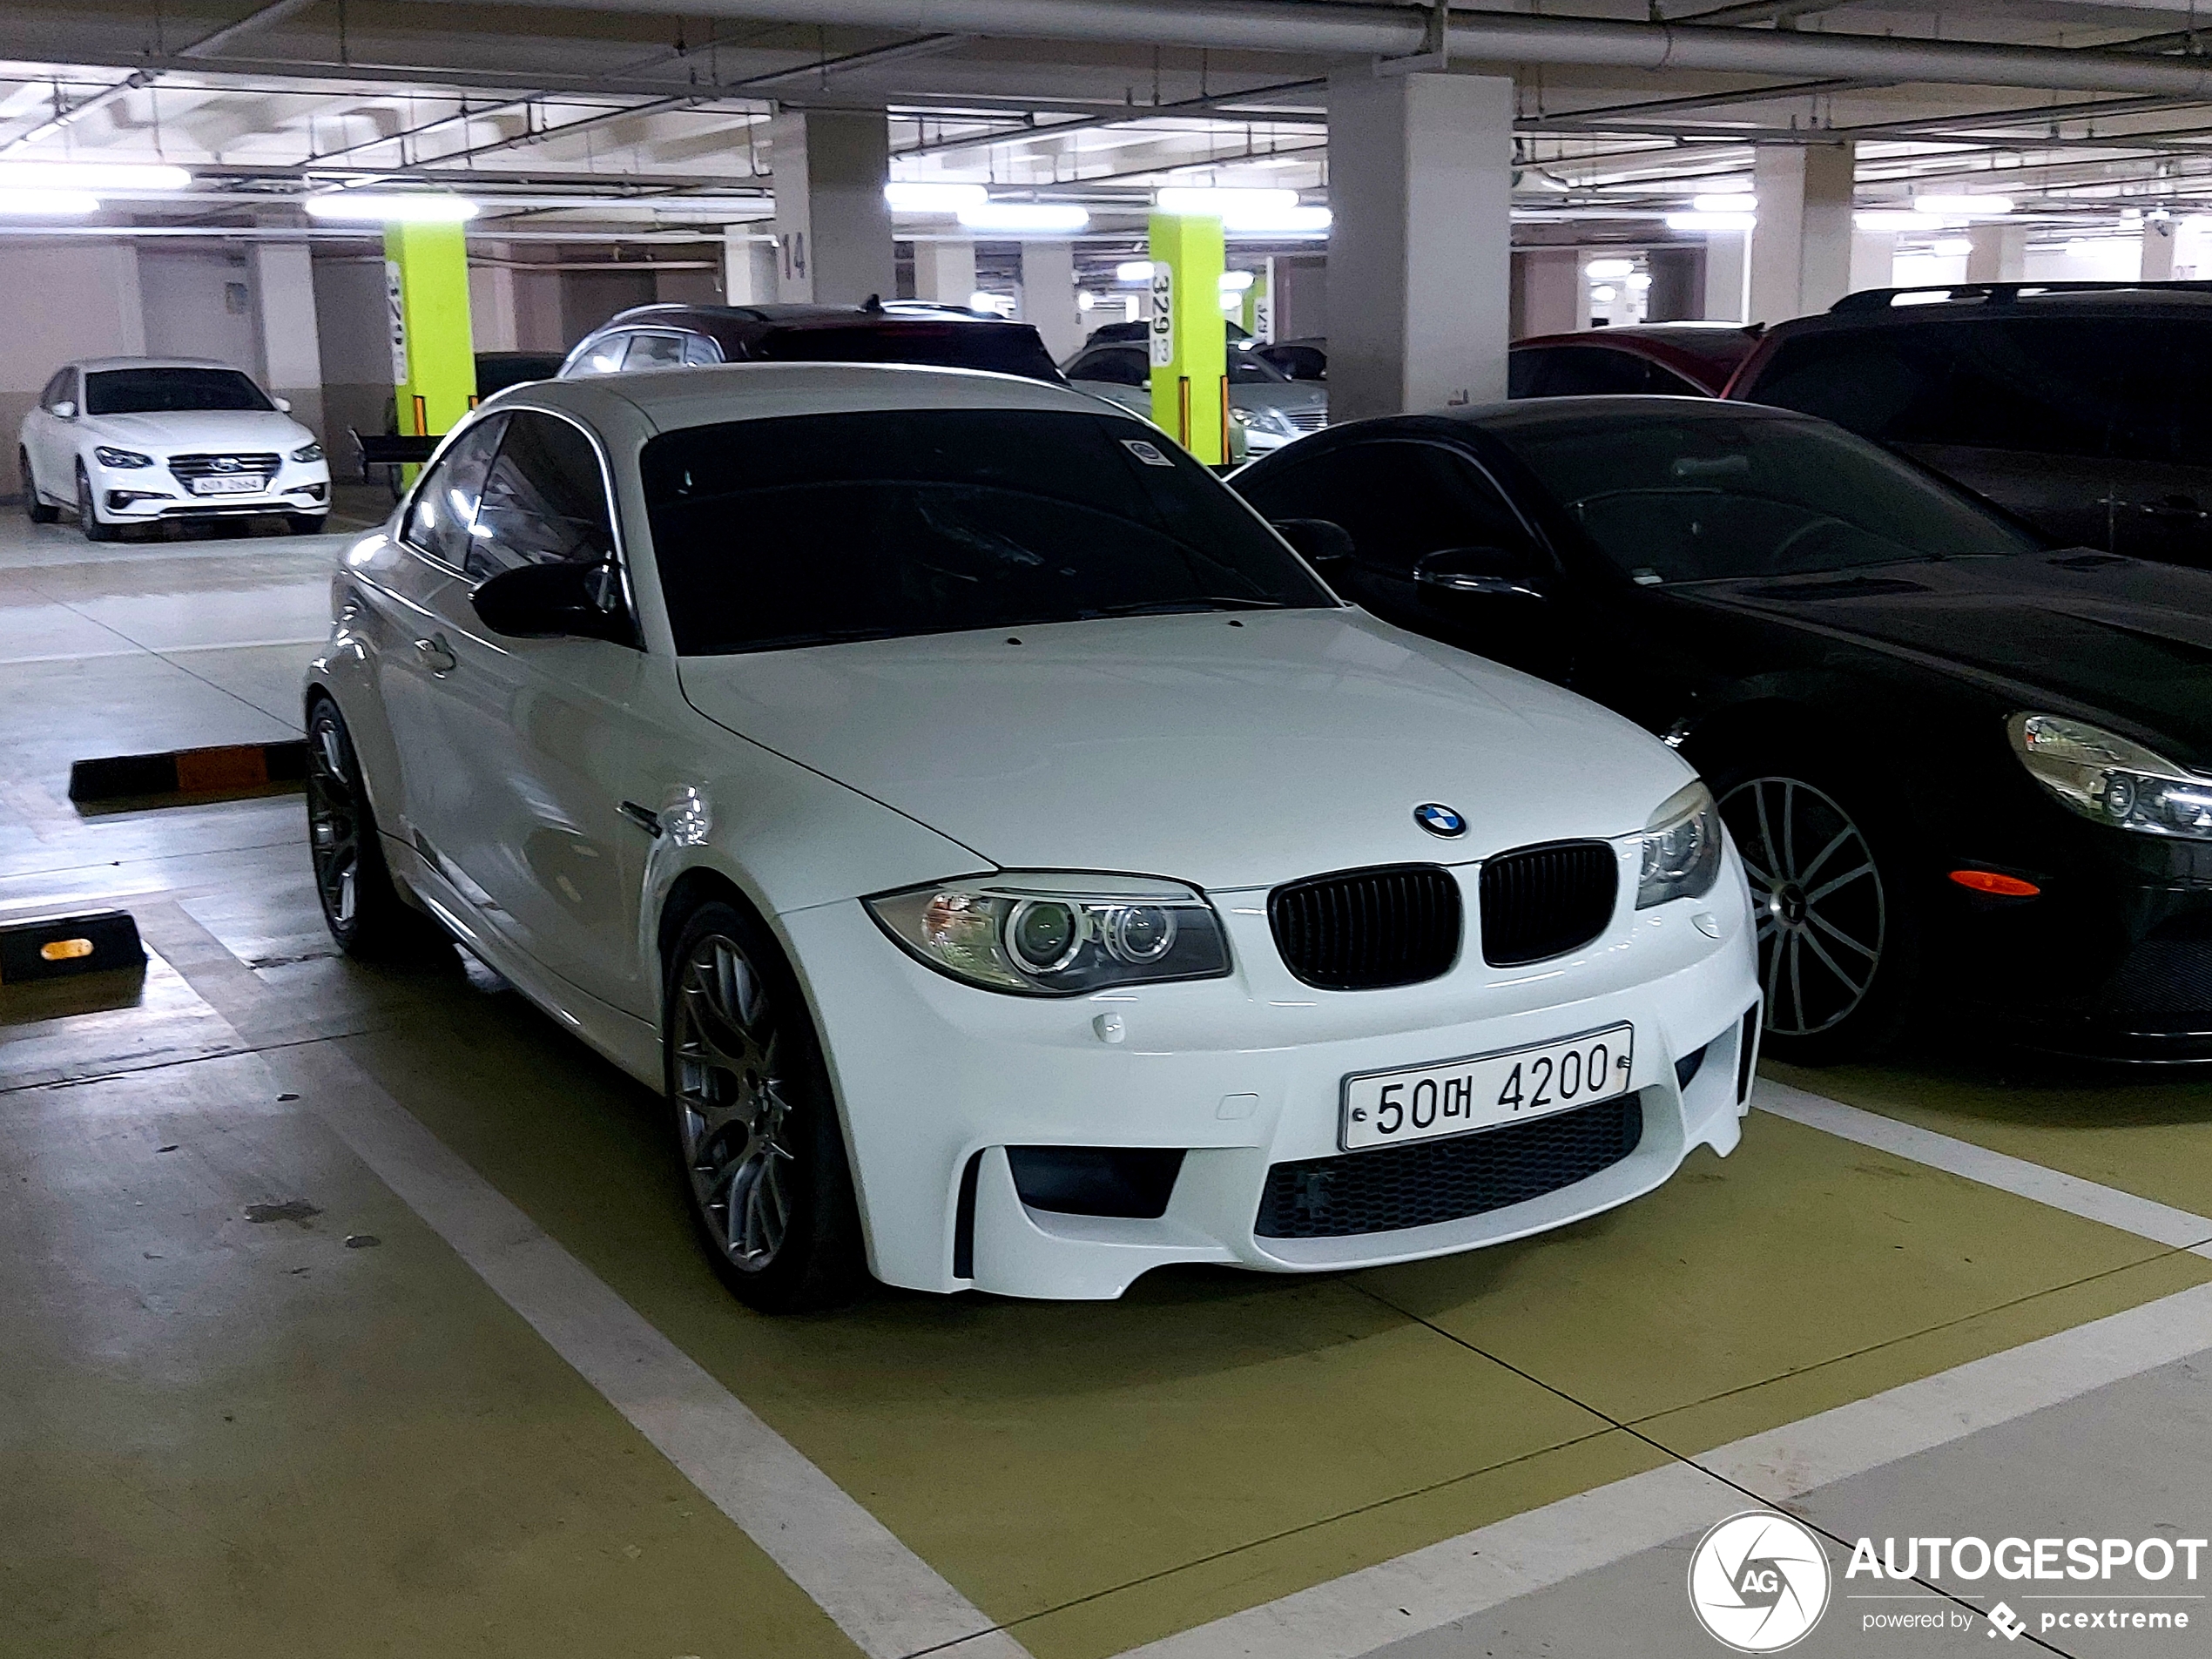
290,342
1297,288
1727,274
749,269
1420,252
2158,250
1999,253
1677,283
1048,296
1189,345
1873,260
1801,250
833,225
1551,292
945,271
491,305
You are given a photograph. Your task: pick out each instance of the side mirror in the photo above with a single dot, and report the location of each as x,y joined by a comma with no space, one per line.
283,405
555,602
1504,572
66,409
1323,544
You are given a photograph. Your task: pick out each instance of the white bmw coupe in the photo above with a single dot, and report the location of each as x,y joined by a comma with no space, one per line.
1016,867
125,440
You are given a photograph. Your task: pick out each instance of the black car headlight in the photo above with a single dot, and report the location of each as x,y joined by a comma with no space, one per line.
126,459
1681,848
2114,779
307,452
1056,934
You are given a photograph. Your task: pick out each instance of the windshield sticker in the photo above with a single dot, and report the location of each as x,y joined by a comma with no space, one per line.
1146,451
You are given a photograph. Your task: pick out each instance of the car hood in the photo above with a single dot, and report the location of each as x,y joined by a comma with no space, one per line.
1230,753
195,430
2124,637
1297,394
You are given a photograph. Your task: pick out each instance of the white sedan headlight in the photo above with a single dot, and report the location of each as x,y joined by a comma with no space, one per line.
309,451
1056,934
1681,848
120,459
2102,775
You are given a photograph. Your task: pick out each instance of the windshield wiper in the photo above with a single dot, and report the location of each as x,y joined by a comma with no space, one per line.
1198,602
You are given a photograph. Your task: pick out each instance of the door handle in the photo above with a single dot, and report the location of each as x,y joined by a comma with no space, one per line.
436,656
643,817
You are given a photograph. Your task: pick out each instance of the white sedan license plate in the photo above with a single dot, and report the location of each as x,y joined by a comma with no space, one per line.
227,484
1388,1108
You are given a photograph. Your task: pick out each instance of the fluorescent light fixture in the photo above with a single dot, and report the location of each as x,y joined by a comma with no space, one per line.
1603,295
1086,301
391,207
1133,271
1963,206
1224,203
1024,216
1893,219
1734,202
1951,247
919,196
1605,270
1236,281
1639,283
1232,303
90,175
1290,221
983,299
47,203
1711,221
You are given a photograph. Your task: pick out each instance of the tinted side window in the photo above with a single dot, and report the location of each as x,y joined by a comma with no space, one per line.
444,507
655,351
1299,362
604,358
1117,366
1400,500
544,501
700,352
1581,371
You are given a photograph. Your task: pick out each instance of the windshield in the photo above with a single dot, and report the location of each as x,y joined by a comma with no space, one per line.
1247,367
1693,500
166,391
872,525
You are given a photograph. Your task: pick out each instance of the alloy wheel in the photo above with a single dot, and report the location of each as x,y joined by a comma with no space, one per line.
1818,898
333,823
733,1103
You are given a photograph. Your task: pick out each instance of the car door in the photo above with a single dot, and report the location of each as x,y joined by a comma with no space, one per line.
50,439
2162,440
1402,499
564,762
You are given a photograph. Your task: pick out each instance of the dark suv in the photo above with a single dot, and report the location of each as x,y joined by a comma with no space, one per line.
680,336
2081,407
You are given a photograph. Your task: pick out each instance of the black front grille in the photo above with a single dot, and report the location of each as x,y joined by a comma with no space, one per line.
1360,930
221,466
1395,1187
1544,901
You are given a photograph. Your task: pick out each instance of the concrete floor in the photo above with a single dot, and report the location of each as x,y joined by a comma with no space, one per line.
381,1421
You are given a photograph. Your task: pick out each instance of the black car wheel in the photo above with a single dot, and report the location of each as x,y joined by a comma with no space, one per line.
88,514
756,1135
38,510
1837,946
360,905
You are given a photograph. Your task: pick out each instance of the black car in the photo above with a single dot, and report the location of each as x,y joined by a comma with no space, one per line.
680,336
1301,360
1963,767
2081,407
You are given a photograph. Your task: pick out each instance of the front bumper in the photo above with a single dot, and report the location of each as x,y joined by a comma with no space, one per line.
937,1079
138,495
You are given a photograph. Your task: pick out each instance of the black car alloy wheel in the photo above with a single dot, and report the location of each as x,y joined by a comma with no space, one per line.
1817,897
333,821
734,1104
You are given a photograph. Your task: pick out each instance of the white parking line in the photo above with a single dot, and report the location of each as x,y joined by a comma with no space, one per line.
1462,1577
889,1601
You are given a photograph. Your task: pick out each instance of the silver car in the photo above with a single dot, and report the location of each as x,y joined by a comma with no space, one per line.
1268,407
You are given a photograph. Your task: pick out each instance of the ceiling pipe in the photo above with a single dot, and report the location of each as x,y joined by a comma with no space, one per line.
1337,28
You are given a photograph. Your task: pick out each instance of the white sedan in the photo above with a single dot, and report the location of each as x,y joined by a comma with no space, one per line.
124,441
1015,867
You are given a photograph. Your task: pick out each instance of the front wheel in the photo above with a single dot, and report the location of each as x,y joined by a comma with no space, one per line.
1839,935
360,905
88,513
756,1137
36,507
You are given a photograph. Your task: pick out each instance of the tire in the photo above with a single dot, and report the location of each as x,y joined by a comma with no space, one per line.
754,1122
88,514
37,510
1839,937
303,524
360,905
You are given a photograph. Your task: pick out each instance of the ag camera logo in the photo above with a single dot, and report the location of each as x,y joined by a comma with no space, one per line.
1758,1582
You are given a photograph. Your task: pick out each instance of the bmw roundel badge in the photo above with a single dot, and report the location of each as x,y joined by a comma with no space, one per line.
1440,819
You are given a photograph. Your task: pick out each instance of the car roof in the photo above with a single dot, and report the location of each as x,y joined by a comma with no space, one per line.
91,365
676,313
1709,349
673,398
1534,413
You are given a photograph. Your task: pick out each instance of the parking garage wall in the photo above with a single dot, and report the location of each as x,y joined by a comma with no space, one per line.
65,299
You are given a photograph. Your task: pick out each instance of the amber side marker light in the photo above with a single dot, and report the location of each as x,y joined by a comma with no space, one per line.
63,950
91,942
2004,886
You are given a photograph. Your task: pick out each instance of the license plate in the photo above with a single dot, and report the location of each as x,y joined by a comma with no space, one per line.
1389,1107
227,484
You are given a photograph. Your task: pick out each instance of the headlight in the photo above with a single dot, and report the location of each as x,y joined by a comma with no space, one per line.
1681,848
307,452
2104,776
128,459
1241,416
1056,934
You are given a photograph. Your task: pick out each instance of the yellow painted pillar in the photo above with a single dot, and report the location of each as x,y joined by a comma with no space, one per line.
1189,345
433,360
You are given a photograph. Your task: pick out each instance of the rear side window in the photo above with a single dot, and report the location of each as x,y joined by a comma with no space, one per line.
1399,499
1589,371
2129,388
1001,348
